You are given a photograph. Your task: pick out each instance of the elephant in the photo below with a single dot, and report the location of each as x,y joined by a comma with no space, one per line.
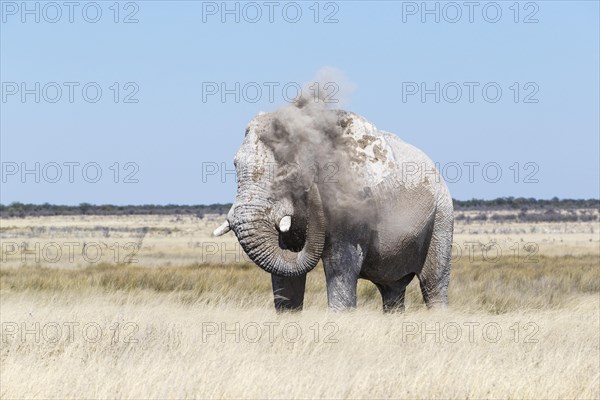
372,207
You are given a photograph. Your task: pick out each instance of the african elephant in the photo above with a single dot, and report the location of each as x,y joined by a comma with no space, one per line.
371,207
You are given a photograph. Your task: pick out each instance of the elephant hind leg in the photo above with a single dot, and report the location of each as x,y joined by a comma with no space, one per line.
393,294
435,275
288,292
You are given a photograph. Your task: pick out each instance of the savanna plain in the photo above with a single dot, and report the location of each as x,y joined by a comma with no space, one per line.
152,306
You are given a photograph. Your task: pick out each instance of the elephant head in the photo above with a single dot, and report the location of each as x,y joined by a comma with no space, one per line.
278,221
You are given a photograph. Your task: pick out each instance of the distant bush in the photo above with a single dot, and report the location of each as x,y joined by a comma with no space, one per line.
480,217
503,217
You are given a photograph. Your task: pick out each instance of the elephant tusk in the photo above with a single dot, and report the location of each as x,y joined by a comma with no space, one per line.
285,223
223,229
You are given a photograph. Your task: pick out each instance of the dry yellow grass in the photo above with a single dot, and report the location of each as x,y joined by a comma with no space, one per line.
477,285
174,354
177,324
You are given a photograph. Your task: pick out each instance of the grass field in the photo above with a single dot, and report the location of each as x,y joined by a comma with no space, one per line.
153,307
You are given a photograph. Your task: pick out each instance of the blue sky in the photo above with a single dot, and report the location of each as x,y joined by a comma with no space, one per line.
157,126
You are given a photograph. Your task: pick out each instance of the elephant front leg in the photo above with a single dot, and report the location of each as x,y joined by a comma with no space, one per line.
341,291
342,268
288,292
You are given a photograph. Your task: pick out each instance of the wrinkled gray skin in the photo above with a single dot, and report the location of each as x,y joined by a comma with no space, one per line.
385,216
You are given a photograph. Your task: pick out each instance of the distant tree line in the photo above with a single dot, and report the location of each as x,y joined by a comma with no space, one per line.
503,203
547,210
549,215
529,210
21,210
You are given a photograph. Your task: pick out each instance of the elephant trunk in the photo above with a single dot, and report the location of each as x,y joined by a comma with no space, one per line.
259,237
